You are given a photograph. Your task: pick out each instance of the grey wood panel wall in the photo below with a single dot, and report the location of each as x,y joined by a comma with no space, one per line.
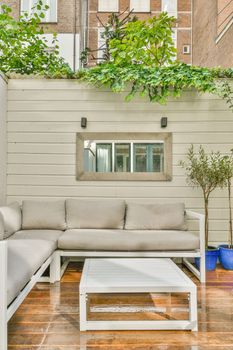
44,117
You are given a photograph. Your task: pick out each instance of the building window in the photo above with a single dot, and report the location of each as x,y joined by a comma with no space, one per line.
108,5
170,6
140,5
124,156
131,157
174,38
28,6
101,44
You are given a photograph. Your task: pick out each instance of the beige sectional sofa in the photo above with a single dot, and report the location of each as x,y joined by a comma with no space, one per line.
38,234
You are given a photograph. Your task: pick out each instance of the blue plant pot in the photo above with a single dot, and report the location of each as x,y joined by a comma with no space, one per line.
226,257
211,258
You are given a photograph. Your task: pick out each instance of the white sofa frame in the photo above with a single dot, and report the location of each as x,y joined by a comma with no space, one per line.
185,255
56,270
6,312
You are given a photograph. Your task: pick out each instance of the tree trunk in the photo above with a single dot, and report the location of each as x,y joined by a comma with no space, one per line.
230,242
206,221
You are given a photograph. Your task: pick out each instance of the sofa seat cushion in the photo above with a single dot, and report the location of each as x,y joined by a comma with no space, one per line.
40,215
121,240
24,258
48,235
95,214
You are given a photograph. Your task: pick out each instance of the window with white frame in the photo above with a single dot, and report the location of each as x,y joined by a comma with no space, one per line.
140,5
108,5
101,44
28,6
174,38
124,156
170,6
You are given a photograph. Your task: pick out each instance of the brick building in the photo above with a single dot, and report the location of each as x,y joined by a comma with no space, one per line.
63,17
204,29
213,33
143,9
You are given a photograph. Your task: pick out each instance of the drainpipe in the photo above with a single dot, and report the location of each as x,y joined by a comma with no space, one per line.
83,25
192,22
74,38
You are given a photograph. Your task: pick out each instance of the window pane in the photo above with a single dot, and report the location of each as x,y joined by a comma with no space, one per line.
104,157
170,6
25,6
101,44
122,157
158,157
50,14
89,160
108,5
149,157
140,157
140,5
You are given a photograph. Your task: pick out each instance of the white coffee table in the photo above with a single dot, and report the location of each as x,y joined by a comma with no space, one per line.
135,276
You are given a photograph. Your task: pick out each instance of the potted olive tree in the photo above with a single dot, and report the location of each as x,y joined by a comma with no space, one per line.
205,171
226,251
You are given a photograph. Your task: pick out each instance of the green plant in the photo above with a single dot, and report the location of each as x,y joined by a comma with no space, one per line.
207,171
148,43
23,49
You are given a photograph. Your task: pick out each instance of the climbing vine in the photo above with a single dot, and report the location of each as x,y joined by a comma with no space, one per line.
139,56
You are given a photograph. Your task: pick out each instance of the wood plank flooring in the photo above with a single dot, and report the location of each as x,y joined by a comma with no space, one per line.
49,317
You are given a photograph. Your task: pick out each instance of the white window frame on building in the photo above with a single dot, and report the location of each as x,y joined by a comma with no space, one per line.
140,5
174,37
101,44
26,6
170,6
108,5
108,157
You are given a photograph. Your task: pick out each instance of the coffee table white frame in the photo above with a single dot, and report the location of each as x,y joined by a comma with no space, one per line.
98,277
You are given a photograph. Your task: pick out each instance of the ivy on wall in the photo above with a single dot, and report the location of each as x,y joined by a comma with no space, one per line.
140,55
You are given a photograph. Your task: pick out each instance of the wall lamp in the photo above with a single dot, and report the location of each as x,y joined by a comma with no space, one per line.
163,122
83,122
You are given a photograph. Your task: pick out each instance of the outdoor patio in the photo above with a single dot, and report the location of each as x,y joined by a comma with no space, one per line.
49,317
116,169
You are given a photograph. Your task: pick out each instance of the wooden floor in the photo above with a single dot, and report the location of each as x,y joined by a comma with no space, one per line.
49,317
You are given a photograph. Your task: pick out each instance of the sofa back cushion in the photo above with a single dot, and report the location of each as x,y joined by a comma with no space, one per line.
10,218
146,216
43,215
99,214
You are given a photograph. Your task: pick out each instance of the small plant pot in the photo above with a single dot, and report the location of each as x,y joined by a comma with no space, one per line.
226,257
211,258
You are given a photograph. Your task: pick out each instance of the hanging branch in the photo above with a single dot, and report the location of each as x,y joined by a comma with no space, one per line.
112,29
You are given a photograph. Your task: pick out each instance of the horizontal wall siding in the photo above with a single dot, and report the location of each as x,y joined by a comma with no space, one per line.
44,117
3,138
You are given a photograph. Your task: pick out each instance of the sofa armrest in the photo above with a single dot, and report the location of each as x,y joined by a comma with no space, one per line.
201,219
2,230
11,219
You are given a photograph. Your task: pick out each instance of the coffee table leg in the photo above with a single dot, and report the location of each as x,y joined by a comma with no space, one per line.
193,310
83,311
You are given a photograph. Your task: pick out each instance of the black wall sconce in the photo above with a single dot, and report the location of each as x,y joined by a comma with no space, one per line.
83,122
163,122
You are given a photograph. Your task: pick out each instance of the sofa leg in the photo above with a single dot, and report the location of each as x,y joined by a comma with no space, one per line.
3,295
55,268
202,269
